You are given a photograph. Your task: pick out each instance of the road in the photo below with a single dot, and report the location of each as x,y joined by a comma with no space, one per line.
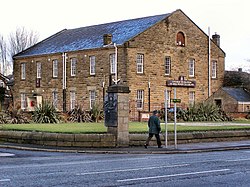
28,168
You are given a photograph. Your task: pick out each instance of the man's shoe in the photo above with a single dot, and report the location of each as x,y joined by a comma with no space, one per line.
160,147
145,146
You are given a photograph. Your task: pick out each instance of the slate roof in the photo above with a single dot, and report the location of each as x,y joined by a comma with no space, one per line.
91,36
238,94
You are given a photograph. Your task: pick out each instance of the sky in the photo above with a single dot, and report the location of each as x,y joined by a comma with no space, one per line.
228,18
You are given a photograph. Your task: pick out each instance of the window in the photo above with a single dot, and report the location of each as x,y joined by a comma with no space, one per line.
180,41
112,63
168,98
55,99
72,100
191,67
167,65
23,101
55,68
92,98
23,71
191,97
214,69
92,65
38,70
73,66
140,95
139,63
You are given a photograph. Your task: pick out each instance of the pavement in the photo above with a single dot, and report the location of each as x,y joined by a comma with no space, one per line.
170,149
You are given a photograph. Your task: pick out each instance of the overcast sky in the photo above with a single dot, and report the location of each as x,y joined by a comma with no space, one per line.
229,18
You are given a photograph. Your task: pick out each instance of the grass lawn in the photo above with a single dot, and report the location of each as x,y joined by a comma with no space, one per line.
134,127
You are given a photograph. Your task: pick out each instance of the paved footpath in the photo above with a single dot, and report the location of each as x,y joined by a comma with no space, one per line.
170,149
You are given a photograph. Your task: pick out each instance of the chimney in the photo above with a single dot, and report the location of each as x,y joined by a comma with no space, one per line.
107,39
216,39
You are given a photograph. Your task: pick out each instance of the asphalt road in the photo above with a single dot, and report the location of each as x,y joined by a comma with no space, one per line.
27,168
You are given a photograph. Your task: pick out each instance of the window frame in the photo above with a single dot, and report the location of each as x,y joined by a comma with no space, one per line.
191,98
73,62
112,63
168,67
55,99
139,63
92,65
23,71
180,39
140,99
214,69
38,70
191,67
72,99
55,68
92,98
23,101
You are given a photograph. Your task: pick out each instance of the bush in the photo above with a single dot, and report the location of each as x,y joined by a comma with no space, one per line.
205,111
78,114
97,113
199,112
45,113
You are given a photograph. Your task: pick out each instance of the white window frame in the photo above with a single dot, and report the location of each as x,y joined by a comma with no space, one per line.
112,63
72,100
73,62
23,71
140,99
55,99
92,96
23,101
169,98
191,97
55,68
168,65
214,69
191,67
92,65
140,63
38,70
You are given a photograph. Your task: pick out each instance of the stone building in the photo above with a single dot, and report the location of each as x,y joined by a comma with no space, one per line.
153,54
232,100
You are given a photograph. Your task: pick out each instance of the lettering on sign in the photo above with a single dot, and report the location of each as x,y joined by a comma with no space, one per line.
181,83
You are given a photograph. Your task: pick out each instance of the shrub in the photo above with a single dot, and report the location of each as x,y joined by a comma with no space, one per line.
78,114
45,113
205,111
97,113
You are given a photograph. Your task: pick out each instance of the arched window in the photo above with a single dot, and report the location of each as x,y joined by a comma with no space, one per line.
180,41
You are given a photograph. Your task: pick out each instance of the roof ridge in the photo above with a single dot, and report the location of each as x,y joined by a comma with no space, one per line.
120,21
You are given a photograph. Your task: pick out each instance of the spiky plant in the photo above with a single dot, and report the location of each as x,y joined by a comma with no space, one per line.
78,114
205,111
45,113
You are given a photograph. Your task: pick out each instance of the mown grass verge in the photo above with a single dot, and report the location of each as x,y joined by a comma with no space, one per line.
134,127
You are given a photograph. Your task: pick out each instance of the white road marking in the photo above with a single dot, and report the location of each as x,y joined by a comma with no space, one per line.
6,154
131,169
238,160
173,175
4,180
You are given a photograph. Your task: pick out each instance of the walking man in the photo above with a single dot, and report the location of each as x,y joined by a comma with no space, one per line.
154,129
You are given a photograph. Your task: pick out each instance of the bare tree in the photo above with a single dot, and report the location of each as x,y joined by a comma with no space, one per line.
3,54
21,39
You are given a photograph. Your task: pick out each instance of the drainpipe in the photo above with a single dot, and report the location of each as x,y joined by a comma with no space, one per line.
64,56
149,95
209,63
116,69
